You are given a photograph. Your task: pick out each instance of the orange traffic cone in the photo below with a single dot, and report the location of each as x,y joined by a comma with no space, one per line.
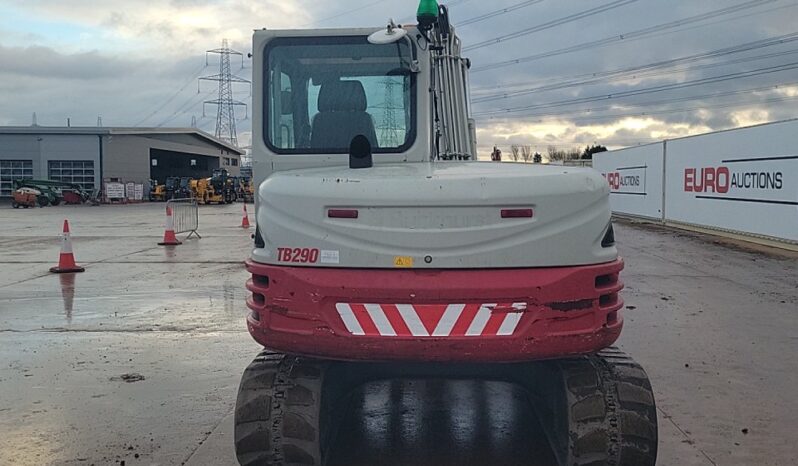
169,238
245,220
66,261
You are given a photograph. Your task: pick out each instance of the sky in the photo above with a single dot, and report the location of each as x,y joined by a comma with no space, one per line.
566,73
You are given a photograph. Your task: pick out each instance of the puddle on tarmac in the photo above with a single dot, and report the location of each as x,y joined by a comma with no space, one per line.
439,421
67,281
72,308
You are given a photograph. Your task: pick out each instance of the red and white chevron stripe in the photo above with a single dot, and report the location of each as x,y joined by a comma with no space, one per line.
431,320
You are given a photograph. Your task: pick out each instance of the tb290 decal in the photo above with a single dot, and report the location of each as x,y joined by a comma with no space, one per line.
298,255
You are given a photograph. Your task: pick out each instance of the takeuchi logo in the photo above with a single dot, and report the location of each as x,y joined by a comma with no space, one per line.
721,179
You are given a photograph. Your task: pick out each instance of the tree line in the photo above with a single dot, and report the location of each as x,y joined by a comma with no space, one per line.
525,153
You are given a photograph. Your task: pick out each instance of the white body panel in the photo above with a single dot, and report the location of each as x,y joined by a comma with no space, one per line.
446,215
433,215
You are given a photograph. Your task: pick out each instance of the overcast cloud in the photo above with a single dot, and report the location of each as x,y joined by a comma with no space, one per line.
136,62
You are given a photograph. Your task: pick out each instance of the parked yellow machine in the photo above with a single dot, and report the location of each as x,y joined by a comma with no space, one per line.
216,189
244,189
158,192
248,189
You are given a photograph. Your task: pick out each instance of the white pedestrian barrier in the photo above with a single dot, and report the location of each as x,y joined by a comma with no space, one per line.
185,214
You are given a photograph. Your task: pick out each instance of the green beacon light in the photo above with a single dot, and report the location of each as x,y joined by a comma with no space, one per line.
427,14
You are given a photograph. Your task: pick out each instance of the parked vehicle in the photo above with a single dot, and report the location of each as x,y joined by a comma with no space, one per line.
157,191
184,188
219,188
171,188
49,194
28,197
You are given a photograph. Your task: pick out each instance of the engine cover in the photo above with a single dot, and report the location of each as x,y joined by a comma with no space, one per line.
453,215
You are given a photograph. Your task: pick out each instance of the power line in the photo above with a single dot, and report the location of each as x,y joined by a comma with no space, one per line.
649,90
551,24
344,13
726,20
492,14
688,109
715,95
777,40
640,33
753,45
192,102
173,96
183,109
457,3
627,75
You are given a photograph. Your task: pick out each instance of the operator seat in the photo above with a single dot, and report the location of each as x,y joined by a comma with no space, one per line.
342,116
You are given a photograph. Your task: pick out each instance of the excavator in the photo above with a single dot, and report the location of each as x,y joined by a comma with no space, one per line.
385,249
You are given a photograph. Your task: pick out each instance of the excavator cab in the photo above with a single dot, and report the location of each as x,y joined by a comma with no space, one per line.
328,92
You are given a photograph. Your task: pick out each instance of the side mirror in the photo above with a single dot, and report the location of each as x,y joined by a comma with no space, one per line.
360,152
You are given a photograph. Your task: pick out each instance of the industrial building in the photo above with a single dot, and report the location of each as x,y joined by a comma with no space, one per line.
90,156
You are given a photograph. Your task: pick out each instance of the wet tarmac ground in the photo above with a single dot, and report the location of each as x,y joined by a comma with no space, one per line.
138,359
442,422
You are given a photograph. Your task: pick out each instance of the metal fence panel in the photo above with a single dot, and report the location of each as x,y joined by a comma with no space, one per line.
185,213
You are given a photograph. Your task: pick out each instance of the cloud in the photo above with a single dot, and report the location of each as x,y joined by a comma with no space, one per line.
138,61
174,26
38,62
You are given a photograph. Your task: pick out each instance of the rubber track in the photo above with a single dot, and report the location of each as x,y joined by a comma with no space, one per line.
611,411
278,411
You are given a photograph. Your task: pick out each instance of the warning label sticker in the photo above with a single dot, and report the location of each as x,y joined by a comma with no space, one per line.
403,261
330,257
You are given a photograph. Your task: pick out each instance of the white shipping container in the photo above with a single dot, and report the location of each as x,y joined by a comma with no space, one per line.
743,180
635,178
